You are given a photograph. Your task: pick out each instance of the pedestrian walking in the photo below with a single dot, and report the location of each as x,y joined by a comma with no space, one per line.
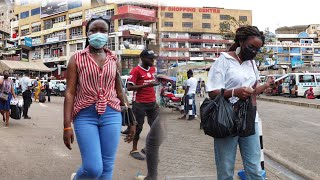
49,87
26,87
93,101
233,71
292,84
37,89
203,89
190,94
142,82
7,92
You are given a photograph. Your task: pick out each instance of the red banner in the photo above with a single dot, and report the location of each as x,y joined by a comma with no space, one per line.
136,10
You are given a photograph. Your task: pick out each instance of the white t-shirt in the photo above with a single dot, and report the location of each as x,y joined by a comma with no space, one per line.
227,73
192,84
25,83
50,85
62,87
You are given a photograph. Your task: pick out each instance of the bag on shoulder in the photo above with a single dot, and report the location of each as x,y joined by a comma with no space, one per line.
217,117
246,112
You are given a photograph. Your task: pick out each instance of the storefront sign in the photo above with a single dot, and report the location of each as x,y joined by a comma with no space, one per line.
290,44
36,41
76,41
59,25
136,10
55,59
51,40
194,49
134,28
190,9
76,23
52,7
28,41
139,33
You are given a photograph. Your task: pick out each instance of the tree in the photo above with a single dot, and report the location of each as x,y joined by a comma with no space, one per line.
263,55
228,27
270,36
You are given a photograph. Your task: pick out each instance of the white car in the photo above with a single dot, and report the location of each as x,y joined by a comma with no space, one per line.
129,93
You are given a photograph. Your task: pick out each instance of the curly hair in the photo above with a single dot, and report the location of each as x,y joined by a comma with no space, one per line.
243,33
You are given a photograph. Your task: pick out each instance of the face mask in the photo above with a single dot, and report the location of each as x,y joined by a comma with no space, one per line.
6,76
248,54
98,40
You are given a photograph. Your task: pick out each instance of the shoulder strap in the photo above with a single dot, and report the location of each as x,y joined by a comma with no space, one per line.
256,83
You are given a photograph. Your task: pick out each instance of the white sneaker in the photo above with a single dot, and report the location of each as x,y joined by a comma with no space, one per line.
73,175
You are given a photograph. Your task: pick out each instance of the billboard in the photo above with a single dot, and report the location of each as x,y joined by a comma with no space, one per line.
136,10
52,7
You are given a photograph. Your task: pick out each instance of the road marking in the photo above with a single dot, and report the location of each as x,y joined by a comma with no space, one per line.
311,123
43,105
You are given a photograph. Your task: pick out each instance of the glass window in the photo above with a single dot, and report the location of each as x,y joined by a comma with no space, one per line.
206,25
48,24
79,46
318,79
36,28
24,14
24,32
224,26
187,24
76,32
75,18
243,18
224,17
187,15
168,24
59,19
35,11
74,4
23,2
206,16
306,78
168,15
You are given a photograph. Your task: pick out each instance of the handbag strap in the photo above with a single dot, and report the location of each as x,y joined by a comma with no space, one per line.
256,83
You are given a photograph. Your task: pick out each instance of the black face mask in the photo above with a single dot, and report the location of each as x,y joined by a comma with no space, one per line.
248,54
6,76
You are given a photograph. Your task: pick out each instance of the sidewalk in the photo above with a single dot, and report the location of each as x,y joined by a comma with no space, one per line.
311,103
186,154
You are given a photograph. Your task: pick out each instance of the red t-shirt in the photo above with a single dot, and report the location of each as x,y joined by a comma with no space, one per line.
140,76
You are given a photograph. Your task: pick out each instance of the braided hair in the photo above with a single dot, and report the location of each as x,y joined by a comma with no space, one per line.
243,33
91,21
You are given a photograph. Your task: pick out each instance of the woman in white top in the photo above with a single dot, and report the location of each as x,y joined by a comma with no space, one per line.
236,72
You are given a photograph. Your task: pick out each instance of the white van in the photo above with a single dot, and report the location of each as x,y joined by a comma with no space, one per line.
303,82
130,93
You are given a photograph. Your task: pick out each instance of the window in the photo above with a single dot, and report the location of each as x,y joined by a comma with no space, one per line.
224,26
48,24
206,16
206,25
187,24
36,28
168,24
306,78
75,18
243,18
79,46
35,11
187,15
24,32
168,15
76,32
224,17
59,19
24,14
23,2
318,79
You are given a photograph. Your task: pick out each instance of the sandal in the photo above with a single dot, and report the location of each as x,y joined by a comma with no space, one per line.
139,176
136,155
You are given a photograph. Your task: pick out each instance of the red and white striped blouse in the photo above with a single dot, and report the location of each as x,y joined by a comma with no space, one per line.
95,85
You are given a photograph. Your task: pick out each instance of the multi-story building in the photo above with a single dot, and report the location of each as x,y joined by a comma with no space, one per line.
6,15
194,34
296,45
135,27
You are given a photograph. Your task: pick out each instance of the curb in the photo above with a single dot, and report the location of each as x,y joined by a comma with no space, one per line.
291,166
294,103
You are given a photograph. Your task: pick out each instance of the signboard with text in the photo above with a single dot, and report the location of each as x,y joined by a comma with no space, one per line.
191,9
136,10
52,7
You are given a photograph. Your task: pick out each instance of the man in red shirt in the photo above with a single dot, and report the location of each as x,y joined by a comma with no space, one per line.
142,82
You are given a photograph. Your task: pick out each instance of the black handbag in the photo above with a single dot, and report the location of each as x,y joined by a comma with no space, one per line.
128,117
246,112
217,117
4,96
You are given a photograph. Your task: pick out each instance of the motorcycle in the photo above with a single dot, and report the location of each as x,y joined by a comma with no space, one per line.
169,100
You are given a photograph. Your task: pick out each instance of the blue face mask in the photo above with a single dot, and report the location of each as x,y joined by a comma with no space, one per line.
98,40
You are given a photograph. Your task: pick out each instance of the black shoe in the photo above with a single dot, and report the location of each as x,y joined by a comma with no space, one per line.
27,117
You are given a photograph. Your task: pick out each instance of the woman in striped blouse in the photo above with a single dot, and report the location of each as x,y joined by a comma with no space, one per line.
92,102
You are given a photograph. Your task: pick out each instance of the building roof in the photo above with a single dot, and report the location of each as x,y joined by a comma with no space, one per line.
291,29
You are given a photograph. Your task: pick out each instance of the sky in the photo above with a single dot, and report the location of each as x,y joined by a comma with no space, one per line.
265,13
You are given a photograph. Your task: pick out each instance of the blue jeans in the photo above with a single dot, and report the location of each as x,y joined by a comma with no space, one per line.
186,106
225,154
98,138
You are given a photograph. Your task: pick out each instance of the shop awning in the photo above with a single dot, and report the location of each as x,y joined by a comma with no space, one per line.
21,65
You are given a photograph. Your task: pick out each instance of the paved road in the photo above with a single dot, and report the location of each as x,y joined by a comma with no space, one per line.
33,149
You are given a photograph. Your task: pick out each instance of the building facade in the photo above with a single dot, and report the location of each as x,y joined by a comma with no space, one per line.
194,34
296,45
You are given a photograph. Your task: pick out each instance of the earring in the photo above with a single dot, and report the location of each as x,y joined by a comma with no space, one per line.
238,50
